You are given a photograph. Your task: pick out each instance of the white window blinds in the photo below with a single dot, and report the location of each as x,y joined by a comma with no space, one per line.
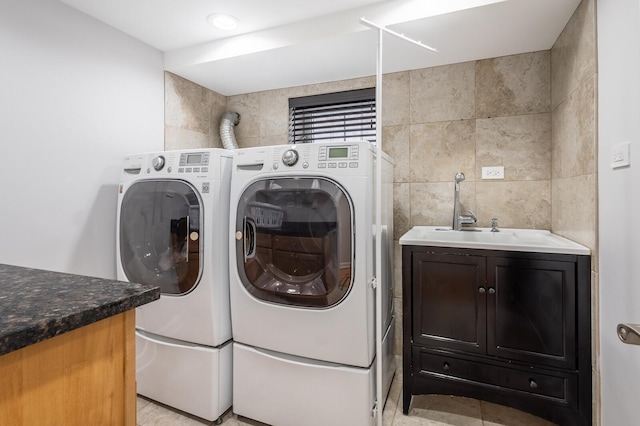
333,117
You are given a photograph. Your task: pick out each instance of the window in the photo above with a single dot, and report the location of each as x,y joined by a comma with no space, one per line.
333,117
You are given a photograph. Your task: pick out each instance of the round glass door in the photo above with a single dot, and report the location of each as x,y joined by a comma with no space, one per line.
160,238
295,245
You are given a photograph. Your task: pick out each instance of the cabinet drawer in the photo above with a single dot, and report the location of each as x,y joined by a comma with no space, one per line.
561,386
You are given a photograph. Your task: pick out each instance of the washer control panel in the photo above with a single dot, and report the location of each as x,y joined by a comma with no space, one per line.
193,162
339,156
189,163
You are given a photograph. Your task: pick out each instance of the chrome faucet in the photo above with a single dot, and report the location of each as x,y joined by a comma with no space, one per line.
459,219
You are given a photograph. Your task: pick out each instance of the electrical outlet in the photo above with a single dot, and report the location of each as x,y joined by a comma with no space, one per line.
620,155
496,172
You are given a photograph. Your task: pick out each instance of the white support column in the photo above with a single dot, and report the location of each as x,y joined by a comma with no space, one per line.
379,330
378,208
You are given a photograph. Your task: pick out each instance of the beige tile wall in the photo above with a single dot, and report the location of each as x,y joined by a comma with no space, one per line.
191,114
574,177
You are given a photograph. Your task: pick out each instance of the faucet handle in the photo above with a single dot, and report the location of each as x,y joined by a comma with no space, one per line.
473,215
494,224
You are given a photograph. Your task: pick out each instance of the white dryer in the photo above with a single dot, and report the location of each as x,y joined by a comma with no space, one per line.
302,262
172,232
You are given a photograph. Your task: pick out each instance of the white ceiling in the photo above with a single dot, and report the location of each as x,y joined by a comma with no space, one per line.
285,43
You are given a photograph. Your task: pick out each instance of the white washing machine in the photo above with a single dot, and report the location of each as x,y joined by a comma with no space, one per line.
172,232
302,261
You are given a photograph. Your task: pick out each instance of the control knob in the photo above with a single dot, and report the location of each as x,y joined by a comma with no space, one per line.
290,157
158,163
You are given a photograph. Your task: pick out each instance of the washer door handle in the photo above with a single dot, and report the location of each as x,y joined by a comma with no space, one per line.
249,240
188,237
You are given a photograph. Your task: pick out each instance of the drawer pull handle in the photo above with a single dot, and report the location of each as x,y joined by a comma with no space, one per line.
532,384
445,366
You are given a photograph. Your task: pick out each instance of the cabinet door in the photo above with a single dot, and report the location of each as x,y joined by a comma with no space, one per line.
449,301
531,311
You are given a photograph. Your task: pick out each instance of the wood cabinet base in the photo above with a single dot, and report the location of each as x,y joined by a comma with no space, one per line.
512,328
83,377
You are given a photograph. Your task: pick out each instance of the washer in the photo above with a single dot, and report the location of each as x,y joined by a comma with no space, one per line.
172,232
302,262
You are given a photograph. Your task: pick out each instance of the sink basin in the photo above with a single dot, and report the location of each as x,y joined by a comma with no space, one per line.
530,240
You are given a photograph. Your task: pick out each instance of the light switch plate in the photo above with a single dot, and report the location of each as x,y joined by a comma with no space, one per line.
620,156
496,172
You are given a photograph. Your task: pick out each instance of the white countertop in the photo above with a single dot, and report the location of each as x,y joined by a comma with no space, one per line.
529,240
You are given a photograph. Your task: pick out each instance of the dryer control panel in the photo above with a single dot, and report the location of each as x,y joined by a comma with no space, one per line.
342,156
189,164
191,160
327,158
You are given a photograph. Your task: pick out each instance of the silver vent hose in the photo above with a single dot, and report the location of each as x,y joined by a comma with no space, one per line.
229,120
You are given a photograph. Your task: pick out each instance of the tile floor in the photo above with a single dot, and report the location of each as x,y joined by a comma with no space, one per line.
426,410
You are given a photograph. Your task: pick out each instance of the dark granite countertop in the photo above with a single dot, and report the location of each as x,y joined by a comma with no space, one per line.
36,305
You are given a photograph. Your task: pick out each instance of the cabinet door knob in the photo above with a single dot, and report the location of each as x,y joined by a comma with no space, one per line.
492,290
532,384
481,290
445,365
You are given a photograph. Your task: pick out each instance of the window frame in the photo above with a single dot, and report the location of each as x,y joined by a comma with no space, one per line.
318,118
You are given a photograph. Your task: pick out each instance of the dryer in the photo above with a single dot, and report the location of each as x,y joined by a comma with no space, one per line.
302,263
172,232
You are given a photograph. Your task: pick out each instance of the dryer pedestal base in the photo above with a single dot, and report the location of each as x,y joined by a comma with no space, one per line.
285,390
191,378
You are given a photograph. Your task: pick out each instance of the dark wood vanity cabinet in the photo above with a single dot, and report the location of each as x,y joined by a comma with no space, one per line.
512,328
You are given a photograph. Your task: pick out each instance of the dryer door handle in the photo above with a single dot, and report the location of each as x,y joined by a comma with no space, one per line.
188,238
249,240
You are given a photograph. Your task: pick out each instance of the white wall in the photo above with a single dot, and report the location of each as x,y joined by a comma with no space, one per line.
75,95
619,205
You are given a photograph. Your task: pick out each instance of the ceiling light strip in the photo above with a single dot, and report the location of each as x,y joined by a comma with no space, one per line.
402,36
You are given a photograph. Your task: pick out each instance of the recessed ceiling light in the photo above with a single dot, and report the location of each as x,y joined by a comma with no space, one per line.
222,21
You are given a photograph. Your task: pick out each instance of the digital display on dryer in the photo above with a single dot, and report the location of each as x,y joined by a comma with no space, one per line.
338,152
194,158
